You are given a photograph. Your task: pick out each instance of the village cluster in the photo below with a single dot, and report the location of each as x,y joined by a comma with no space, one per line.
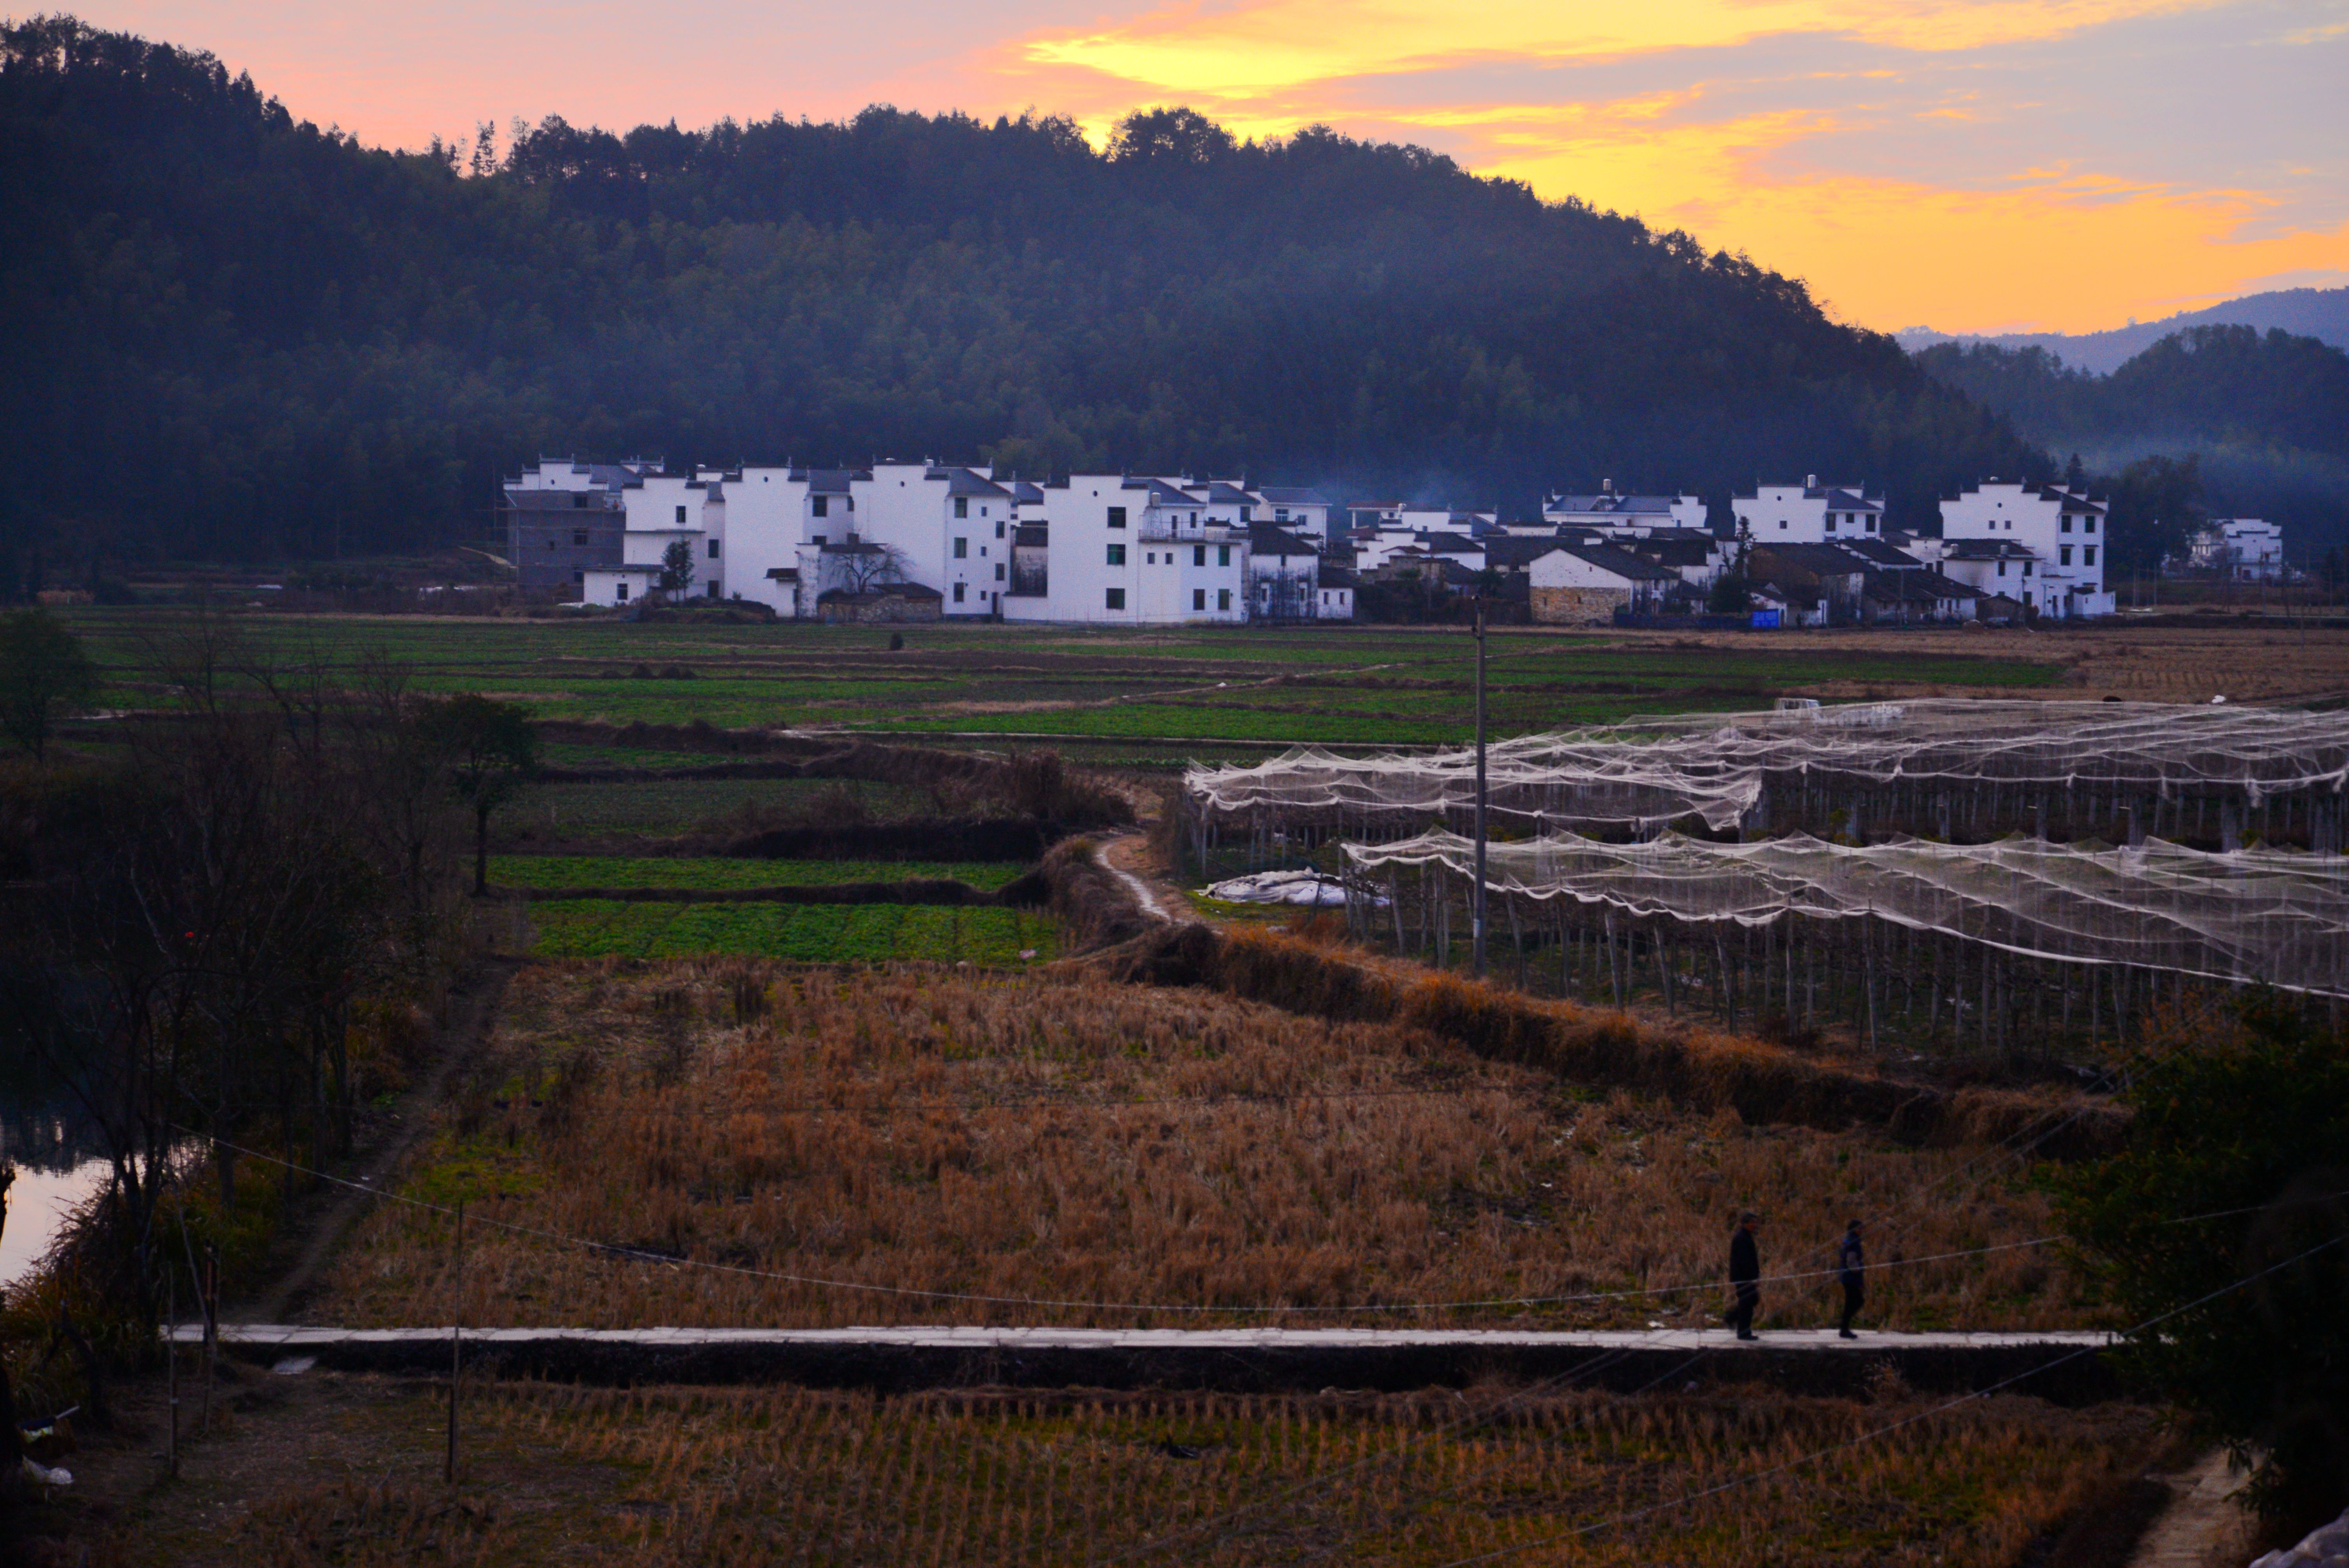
923,541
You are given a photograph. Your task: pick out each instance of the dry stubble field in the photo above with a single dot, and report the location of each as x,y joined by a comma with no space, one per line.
1056,1142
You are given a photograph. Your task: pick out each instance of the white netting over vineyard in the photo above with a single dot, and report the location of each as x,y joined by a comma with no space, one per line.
2274,917
1646,772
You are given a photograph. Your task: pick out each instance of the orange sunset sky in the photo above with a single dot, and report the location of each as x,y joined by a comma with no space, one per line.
1973,165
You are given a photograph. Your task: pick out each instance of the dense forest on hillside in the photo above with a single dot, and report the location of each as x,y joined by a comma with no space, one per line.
2264,417
234,335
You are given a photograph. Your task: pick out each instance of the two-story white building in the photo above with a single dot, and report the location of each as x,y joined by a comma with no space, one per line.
1807,513
1284,574
663,511
2240,549
2059,540
1305,512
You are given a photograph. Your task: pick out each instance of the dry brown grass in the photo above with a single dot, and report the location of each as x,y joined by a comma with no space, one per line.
789,1476
1059,1139
1313,971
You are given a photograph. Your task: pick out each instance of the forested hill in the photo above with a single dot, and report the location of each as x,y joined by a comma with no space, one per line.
232,333
2264,415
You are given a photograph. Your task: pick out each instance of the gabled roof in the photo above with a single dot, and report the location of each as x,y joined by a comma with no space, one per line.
1220,492
1986,550
1329,574
1621,563
1451,544
1024,493
829,481
1518,550
1877,553
1271,539
1164,492
963,481
1292,495
1845,500
1675,551
1608,503
1828,560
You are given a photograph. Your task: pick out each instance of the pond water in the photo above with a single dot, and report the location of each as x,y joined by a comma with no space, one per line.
38,1206
58,1166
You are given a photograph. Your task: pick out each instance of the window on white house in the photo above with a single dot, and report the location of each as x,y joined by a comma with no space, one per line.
1117,555
962,550
2087,555
962,506
619,591
1198,555
998,527
578,536
999,571
1223,598
680,514
2088,525
1198,598
1117,520
2066,525
958,593
824,506
1113,599
1223,555
2001,568
2067,554
713,550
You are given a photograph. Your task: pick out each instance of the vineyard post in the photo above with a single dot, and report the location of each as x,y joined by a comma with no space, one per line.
1476,915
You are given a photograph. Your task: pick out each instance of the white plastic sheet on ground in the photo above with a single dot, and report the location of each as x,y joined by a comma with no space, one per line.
1310,888
1655,771
2325,1547
2273,916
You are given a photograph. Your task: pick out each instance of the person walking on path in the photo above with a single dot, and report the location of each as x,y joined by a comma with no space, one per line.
1745,1274
1849,1263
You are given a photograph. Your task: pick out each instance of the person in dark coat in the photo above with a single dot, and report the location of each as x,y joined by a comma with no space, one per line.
1849,1263
1744,1275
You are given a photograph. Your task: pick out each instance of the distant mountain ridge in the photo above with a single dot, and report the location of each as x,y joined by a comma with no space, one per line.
2321,313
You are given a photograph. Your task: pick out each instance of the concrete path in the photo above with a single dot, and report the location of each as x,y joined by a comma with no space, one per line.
2203,1527
2058,1366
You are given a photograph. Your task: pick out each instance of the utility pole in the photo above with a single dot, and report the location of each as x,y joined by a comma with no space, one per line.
1477,912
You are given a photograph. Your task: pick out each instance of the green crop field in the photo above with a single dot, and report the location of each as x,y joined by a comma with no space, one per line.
715,874
1360,685
811,933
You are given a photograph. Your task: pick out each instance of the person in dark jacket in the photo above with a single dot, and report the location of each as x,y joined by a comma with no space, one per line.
1849,1262
1745,1274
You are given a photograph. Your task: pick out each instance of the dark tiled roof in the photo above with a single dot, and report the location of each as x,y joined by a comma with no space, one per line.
1619,505
1032,535
1877,553
1827,560
1271,539
1987,550
1290,495
1621,563
962,482
1845,500
878,590
1451,545
1518,550
829,481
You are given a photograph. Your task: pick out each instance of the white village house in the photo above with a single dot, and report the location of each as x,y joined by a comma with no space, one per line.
927,540
2240,549
2042,545
1807,513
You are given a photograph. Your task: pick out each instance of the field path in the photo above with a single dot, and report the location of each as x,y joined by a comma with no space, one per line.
2202,1527
472,1010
